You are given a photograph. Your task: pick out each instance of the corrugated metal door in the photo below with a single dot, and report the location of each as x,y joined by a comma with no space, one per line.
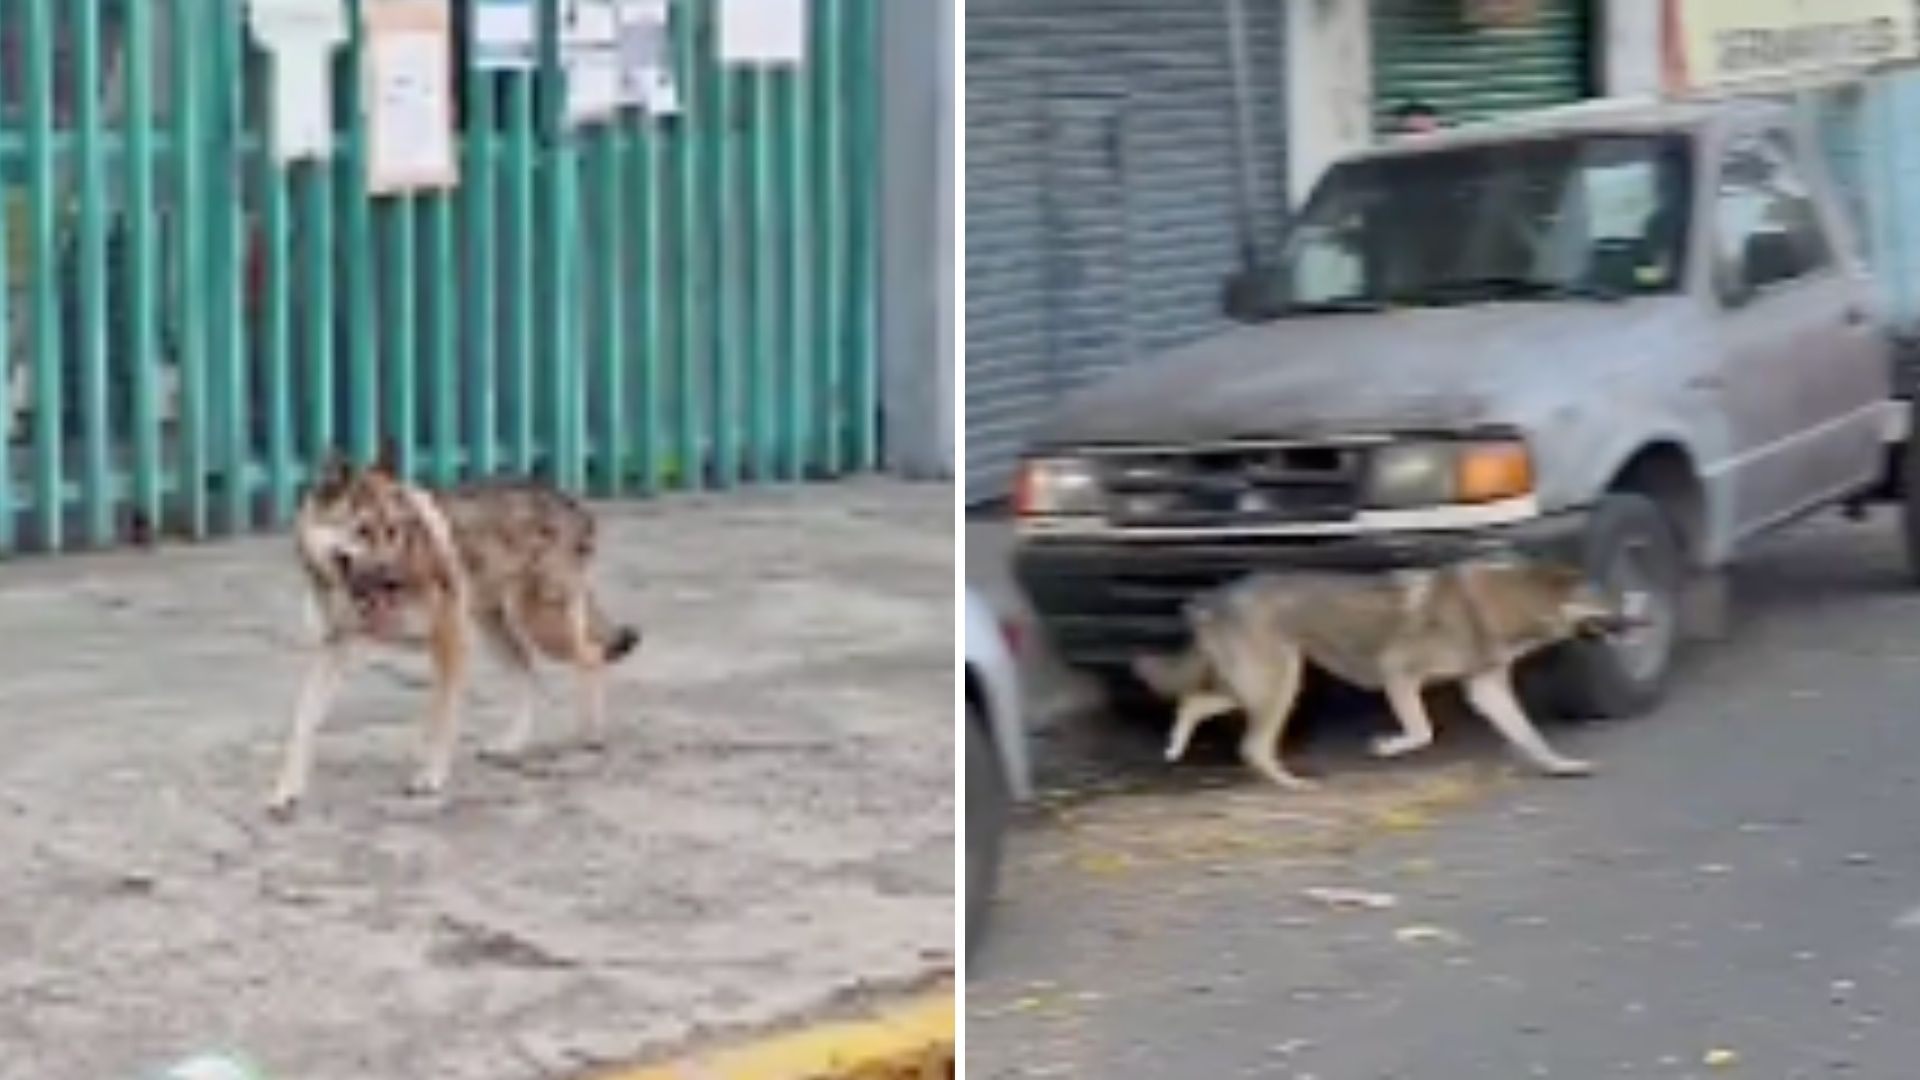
1100,195
1429,51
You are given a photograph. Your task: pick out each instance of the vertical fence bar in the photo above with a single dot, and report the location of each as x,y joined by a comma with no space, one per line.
364,375
9,361
862,105
723,224
97,495
561,202
649,335
317,278
443,300
400,314
764,244
231,245
797,266
480,277
520,199
690,468
189,135
142,335
46,272
9,352
830,248
277,335
608,232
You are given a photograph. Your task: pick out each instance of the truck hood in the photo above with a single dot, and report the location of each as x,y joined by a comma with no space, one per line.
1412,369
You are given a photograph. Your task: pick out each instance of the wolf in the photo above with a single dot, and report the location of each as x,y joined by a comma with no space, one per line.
390,563
1399,632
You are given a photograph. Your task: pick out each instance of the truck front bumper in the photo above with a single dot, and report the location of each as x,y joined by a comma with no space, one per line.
1104,602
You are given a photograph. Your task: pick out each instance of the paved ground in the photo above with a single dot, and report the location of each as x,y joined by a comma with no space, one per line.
772,827
1737,893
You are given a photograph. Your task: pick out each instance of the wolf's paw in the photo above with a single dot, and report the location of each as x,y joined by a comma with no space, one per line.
283,806
1393,746
1290,781
426,784
504,751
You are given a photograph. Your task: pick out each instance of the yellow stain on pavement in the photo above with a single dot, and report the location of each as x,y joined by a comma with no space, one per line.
911,1041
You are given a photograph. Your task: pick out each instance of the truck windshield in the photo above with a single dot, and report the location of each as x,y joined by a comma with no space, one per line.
1598,216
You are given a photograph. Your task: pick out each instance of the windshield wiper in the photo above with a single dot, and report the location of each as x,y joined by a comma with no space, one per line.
1512,287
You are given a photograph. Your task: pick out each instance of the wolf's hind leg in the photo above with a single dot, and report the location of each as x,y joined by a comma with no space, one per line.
1269,686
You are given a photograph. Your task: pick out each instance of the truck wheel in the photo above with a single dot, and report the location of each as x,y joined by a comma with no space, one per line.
1910,491
1631,553
988,800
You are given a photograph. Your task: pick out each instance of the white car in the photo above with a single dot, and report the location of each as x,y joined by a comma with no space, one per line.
997,768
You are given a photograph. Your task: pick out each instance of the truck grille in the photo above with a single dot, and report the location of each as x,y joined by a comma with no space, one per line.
1233,486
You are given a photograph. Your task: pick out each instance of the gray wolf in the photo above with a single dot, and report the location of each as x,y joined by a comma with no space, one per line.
389,563
1398,633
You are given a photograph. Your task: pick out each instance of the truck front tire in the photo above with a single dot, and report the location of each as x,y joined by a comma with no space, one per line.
1629,547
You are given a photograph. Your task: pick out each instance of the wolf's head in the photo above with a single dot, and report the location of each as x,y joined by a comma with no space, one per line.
1582,609
352,526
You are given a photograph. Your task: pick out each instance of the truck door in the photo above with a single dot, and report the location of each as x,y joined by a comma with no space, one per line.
1805,373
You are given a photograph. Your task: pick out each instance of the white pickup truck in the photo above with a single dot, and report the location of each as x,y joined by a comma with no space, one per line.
1634,336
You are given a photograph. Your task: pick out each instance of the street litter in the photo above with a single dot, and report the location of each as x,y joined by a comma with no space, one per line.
1428,935
211,1067
1346,899
1721,1058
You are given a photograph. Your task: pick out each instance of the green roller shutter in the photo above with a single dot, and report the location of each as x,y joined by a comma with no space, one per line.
1428,51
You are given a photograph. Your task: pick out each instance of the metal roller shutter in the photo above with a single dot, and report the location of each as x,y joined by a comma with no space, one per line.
1100,195
1428,51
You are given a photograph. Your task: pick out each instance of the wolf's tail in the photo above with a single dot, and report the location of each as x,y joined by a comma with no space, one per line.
622,641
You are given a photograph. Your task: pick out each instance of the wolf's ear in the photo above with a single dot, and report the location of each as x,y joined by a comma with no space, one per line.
387,462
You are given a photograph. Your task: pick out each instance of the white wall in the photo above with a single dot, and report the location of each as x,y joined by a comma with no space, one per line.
1329,86
1630,48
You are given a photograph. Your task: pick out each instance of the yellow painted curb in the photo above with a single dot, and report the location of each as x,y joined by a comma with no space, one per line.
911,1041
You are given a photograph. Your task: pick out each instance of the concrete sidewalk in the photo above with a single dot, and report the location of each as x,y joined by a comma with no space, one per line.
771,830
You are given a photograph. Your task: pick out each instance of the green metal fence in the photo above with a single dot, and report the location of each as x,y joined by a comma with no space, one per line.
625,308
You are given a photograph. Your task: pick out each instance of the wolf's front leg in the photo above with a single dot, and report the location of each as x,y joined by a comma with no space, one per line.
1416,727
316,700
449,646
1491,694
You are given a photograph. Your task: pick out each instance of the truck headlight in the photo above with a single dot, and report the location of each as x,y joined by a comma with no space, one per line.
1058,487
1416,474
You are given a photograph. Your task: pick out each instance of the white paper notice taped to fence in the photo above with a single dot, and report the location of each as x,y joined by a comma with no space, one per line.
646,57
763,33
301,36
410,117
590,49
506,35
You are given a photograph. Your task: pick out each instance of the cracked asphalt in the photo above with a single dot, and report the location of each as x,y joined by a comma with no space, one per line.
1737,893
770,831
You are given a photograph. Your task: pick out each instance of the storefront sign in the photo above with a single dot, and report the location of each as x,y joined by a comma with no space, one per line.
1730,44
301,36
409,61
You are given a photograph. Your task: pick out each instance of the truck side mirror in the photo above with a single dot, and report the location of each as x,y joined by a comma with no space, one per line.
1248,294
